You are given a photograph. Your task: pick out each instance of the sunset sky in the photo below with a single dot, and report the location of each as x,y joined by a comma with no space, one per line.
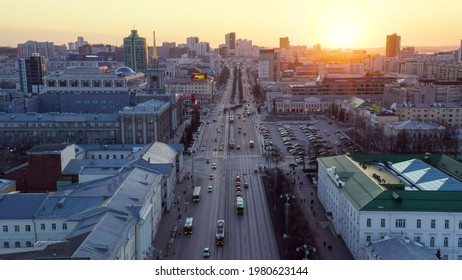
332,23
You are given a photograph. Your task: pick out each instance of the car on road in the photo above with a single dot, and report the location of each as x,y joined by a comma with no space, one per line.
210,176
202,149
238,178
238,147
210,189
206,252
214,165
246,185
207,160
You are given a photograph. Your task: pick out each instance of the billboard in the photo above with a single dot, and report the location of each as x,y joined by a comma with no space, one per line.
198,76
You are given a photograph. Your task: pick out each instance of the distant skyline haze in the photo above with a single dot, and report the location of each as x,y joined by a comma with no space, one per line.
331,23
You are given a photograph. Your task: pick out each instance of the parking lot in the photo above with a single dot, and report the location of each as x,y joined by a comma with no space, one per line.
305,141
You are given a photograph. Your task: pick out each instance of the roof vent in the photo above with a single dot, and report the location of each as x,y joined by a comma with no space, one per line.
396,197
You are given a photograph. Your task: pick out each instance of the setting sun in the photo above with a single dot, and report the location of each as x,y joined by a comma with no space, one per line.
342,27
342,35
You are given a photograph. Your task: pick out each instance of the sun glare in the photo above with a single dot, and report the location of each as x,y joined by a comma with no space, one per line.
342,27
342,35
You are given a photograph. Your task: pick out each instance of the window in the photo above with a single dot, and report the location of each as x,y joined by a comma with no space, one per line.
16,228
433,224
417,239
400,223
64,226
27,228
42,226
6,244
5,228
459,257
460,224
445,257
419,223
28,244
368,238
459,242
17,244
432,241
446,242
368,223
382,222
446,223
53,226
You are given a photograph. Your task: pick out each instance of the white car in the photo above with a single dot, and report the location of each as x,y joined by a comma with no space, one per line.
214,165
210,189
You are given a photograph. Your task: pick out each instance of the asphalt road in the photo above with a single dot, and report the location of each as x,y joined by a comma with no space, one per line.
247,237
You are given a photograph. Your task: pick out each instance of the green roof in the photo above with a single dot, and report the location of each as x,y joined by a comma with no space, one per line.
421,201
366,194
359,188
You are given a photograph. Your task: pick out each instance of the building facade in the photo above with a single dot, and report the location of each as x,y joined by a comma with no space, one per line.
393,46
135,52
146,123
31,72
368,198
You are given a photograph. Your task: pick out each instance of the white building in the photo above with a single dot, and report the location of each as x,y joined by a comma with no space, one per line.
373,196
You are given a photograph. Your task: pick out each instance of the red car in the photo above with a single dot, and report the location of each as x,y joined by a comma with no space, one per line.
238,178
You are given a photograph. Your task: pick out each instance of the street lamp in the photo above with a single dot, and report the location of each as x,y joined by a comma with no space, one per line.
306,249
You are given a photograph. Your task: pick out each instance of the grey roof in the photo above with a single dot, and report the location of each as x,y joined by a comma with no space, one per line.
399,248
62,206
108,229
76,166
163,168
160,153
20,205
48,149
106,237
152,106
57,117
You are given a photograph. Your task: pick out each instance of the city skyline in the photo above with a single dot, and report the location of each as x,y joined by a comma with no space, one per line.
333,24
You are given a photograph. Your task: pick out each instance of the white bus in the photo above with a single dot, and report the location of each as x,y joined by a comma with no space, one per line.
197,194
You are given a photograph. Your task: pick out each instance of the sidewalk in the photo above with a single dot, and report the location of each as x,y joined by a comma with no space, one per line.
328,245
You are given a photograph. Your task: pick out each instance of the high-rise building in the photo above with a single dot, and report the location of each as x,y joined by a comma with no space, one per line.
230,39
136,52
284,43
30,47
31,72
460,52
268,65
393,45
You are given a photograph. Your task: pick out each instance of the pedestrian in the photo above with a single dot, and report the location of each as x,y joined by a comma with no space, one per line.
324,243
304,200
301,200
179,209
314,213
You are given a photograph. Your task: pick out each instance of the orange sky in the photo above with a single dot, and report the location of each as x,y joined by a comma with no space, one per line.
332,23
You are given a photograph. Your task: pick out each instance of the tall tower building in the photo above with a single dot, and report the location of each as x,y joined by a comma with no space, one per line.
230,39
460,53
393,45
155,74
31,72
136,52
284,43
